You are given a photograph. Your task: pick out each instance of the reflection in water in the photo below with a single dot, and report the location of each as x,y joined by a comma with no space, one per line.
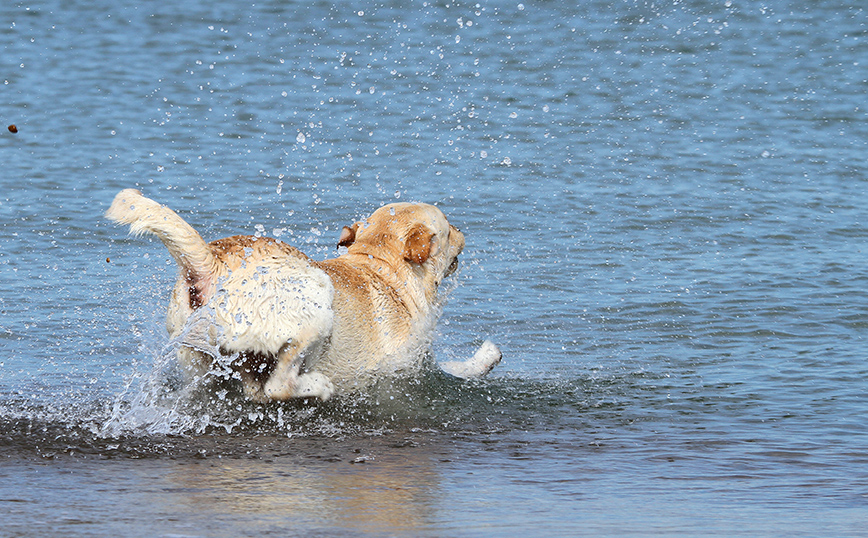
383,488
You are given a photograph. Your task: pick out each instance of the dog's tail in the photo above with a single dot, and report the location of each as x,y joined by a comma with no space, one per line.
186,246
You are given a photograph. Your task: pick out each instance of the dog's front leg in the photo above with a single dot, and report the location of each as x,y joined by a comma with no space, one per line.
287,381
485,358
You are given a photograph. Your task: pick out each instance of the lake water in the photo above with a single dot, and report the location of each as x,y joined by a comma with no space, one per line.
666,211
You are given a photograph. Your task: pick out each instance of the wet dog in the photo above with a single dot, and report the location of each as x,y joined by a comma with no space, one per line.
292,327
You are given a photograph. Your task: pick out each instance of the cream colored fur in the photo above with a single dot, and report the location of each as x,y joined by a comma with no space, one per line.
292,327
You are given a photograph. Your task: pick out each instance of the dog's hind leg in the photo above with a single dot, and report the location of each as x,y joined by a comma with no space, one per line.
288,381
486,357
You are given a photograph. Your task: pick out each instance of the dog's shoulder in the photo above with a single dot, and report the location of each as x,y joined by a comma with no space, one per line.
344,274
362,284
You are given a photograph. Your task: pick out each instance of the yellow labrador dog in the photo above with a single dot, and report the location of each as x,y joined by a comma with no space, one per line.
291,327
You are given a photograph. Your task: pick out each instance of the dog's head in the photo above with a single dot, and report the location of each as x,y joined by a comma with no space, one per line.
408,236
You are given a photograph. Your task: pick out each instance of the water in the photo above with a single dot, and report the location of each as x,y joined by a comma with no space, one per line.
665,208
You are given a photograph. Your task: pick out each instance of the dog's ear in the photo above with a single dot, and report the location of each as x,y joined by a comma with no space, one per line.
419,245
348,235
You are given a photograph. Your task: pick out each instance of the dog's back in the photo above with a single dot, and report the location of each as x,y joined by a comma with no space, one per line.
269,293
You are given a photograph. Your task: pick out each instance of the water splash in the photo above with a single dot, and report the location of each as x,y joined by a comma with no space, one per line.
161,409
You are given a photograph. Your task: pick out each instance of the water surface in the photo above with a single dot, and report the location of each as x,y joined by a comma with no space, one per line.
665,211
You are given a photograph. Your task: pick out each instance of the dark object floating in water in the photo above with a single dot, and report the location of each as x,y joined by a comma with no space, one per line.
13,128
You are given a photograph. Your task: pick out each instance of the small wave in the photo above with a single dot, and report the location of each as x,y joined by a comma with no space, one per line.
158,413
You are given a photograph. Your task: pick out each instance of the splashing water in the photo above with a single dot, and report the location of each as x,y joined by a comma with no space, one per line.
164,400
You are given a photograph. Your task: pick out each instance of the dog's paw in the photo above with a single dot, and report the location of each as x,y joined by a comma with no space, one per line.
311,385
255,394
314,385
483,361
486,357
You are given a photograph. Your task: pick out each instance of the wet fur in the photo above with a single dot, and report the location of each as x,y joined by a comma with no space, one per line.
297,328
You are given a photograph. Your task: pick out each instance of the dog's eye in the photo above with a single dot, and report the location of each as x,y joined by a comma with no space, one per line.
452,267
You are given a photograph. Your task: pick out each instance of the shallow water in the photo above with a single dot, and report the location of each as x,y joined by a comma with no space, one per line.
665,211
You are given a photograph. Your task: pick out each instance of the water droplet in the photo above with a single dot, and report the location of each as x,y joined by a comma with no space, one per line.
300,138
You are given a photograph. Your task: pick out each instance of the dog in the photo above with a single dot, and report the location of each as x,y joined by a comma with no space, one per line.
291,327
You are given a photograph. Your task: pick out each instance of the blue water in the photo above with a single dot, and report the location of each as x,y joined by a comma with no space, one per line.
666,211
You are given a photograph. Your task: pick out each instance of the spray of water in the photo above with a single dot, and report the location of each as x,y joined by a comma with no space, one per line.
163,399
